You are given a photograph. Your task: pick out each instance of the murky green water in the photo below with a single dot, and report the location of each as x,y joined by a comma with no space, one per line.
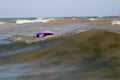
45,61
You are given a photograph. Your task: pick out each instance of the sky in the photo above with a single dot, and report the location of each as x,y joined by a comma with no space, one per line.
58,8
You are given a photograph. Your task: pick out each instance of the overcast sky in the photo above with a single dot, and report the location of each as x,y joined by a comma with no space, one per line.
58,8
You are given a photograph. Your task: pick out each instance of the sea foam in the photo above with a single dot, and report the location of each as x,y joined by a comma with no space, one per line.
33,21
116,22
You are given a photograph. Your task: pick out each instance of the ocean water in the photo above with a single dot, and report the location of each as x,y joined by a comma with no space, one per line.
13,20
30,29
30,70
15,63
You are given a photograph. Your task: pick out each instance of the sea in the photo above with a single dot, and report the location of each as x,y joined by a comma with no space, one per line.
44,68
30,26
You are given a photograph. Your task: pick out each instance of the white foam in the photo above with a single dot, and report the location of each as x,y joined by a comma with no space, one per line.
2,22
33,21
116,22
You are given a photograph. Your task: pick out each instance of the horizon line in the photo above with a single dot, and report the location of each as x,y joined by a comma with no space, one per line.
60,17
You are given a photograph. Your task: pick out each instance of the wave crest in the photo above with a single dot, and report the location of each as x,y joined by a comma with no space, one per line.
33,21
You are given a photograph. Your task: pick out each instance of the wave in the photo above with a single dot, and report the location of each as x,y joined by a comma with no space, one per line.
72,58
116,22
33,21
3,23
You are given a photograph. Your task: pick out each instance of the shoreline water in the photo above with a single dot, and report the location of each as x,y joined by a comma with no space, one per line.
63,58
59,26
30,29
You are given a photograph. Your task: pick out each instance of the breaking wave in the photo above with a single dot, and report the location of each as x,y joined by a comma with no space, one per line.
116,22
33,21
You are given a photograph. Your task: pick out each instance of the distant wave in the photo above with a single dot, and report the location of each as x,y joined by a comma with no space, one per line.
3,23
23,21
116,22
